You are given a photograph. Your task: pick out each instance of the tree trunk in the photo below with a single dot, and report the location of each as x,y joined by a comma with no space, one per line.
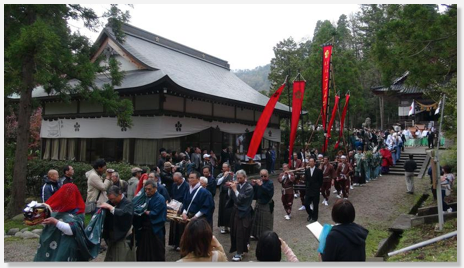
16,204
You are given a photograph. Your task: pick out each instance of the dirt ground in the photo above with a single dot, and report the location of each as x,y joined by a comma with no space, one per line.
378,204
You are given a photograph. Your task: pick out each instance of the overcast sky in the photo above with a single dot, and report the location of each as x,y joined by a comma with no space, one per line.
243,35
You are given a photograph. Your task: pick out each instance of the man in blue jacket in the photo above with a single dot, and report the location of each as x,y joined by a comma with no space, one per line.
51,184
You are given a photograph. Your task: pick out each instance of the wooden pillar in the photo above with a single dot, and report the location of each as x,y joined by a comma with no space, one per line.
381,102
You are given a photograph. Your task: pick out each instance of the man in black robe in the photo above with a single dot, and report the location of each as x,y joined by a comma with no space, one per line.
211,187
117,224
224,212
241,196
313,183
149,223
176,229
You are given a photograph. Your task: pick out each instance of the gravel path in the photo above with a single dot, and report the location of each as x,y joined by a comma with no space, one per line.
377,204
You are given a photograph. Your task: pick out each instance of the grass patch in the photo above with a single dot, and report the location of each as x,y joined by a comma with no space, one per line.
12,239
442,251
376,234
10,224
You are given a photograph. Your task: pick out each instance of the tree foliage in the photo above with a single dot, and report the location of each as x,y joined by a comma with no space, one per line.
256,78
372,47
41,51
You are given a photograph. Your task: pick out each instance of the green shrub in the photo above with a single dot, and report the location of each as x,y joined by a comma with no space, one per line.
37,168
450,158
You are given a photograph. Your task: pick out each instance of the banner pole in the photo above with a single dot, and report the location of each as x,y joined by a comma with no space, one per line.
437,160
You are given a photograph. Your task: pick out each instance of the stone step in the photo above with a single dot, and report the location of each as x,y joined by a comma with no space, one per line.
402,223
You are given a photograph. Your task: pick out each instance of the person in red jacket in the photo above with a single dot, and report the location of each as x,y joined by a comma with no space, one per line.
387,160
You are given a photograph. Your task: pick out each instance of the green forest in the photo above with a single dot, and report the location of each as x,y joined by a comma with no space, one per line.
372,47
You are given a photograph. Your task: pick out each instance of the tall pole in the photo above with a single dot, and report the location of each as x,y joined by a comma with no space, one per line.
301,115
289,106
437,156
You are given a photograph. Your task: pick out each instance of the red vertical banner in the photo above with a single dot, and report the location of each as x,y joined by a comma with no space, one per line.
342,120
326,57
298,93
332,119
262,123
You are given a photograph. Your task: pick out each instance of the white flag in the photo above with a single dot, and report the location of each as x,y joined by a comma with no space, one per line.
412,109
437,111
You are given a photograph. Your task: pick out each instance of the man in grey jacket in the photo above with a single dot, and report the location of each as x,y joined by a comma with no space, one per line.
196,158
136,174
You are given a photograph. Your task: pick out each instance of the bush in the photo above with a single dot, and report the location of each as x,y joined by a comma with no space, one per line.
37,168
450,158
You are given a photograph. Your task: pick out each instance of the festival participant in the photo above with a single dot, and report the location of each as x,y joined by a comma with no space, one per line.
68,172
352,163
176,229
207,162
409,167
313,183
162,159
197,202
294,164
166,175
446,183
211,187
263,218
360,168
320,161
241,196
116,181
328,173
198,243
224,212
204,184
161,188
287,179
270,247
96,185
51,185
386,160
149,223
343,172
346,240
118,222
143,179
196,158
133,182
64,238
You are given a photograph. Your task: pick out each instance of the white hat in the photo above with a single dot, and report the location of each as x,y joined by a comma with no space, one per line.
320,155
206,155
343,157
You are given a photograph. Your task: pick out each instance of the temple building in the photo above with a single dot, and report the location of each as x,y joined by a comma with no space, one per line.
404,95
181,97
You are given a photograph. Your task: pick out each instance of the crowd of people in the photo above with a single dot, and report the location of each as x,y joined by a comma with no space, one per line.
136,210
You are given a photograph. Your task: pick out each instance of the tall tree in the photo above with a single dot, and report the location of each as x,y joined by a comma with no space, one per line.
419,39
40,50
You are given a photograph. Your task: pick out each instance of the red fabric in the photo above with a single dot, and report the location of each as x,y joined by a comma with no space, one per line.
387,159
326,56
262,122
67,198
332,119
342,121
298,94
140,184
